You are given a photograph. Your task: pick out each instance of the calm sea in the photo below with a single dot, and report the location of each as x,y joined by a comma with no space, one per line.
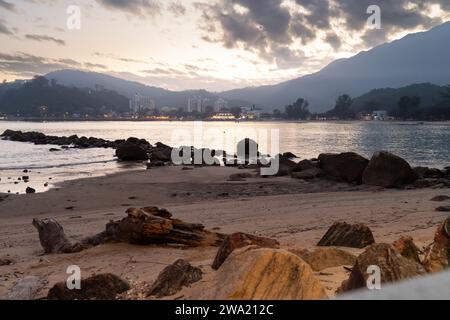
426,144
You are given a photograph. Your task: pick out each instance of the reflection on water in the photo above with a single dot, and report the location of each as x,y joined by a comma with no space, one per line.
421,144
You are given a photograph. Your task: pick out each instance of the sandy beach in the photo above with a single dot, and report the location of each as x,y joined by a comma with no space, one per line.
295,212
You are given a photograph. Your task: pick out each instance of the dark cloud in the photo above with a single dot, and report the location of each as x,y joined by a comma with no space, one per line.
7,5
140,8
4,29
270,27
40,38
25,64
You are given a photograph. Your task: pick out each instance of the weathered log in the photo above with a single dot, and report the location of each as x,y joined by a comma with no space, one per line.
52,237
149,225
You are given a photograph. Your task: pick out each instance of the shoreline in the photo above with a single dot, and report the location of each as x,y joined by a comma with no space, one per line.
257,206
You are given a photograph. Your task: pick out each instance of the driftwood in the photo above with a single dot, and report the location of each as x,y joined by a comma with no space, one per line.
149,225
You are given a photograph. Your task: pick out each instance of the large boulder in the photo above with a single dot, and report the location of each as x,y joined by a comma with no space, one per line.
347,167
131,152
388,170
173,278
262,274
285,165
437,258
343,234
393,267
307,174
240,240
407,248
323,258
99,287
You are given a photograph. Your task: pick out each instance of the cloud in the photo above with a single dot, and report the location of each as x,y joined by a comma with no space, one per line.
4,29
177,8
7,5
276,29
141,8
40,38
27,65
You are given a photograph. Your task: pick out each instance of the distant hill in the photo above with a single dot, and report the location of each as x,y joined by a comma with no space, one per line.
39,97
162,97
417,58
387,99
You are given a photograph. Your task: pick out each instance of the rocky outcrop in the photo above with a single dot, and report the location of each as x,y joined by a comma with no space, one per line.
407,248
99,287
131,152
41,139
346,167
388,170
240,240
437,257
393,267
343,234
443,208
323,258
263,274
173,278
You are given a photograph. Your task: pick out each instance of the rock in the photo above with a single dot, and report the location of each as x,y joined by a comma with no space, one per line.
6,262
161,156
437,257
289,155
30,190
407,248
131,152
307,174
323,258
307,164
173,278
26,288
285,165
263,274
54,150
99,287
239,240
388,170
425,172
443,208
393,267
343,234
440,198
347,167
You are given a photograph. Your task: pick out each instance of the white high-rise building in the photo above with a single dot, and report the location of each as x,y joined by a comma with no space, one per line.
141,103
220,104
197,103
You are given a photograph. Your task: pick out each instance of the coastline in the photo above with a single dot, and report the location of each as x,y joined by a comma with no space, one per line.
297,219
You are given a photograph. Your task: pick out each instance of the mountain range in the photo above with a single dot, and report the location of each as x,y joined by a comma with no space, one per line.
417,58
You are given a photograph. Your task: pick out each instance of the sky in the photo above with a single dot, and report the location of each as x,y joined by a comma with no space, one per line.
197,44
